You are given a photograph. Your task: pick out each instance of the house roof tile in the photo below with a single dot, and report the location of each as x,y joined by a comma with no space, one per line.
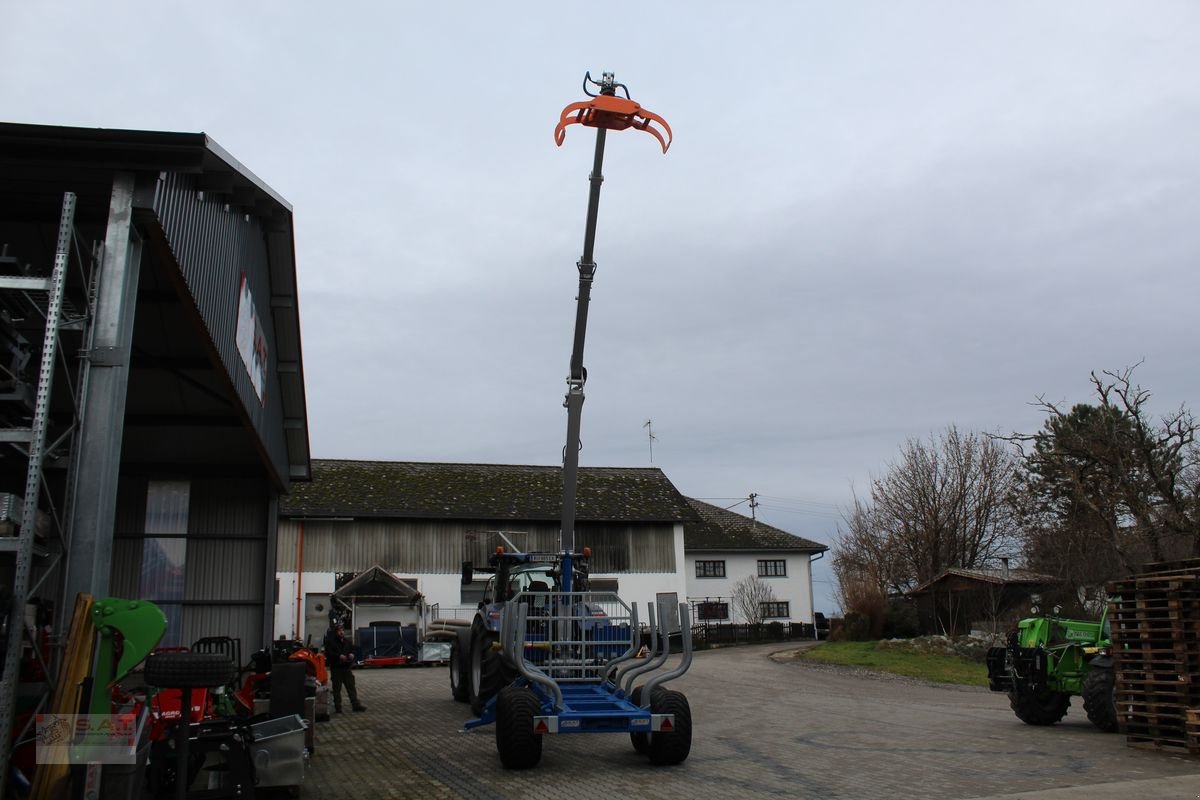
718,529
432,490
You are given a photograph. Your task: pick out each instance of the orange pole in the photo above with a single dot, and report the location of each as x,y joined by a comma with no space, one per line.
299,578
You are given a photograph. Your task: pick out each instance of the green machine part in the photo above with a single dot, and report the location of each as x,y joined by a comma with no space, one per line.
1069,643
129,630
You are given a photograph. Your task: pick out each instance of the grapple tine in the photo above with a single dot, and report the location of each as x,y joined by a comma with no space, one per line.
644,125
652,117
564,119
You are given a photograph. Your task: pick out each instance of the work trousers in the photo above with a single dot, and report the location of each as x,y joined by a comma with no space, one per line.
343,677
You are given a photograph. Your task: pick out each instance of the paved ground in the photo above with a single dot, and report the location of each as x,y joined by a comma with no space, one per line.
764,727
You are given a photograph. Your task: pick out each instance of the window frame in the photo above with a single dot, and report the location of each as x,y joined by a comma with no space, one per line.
711,561
764,571
702,607
784,605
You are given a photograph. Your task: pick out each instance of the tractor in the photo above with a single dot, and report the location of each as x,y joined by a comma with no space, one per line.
1047,660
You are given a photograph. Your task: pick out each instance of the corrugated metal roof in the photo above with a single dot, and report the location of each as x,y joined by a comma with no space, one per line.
194,166
422,490
718,529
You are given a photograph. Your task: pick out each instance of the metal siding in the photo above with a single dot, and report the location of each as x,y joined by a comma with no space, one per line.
131,506
229,507
432,547
213,247
240,622
226,570
126,573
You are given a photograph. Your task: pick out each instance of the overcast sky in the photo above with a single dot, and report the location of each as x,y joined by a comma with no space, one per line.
876,220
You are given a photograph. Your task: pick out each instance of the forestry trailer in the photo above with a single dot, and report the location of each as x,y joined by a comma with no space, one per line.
544,654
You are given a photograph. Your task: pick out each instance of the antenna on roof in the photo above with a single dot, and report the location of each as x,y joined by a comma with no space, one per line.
650,432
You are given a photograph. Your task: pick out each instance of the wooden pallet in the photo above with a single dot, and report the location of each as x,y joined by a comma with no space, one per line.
1155,619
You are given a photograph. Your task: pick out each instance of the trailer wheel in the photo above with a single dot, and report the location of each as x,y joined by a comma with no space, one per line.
1100,698
188,670
487,673
519,746
459,679
1038,708
673,747
641,741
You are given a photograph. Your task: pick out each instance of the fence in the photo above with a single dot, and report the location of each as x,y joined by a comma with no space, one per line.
720,634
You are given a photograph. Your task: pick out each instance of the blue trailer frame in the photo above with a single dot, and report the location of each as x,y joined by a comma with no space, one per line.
579,658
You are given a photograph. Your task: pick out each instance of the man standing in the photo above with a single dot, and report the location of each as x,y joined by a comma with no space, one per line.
339,657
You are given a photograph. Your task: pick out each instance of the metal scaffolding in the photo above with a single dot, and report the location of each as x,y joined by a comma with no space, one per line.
34,564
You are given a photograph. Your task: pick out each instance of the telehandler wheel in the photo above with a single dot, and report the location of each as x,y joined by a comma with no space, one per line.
1038,708
519,746
1100,698
460,679
641,741
673,747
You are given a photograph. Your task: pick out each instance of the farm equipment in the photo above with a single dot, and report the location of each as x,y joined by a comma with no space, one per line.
1048,660
545,654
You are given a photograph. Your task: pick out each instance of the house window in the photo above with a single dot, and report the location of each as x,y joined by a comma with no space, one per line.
710,611
772,568
774,610
710,569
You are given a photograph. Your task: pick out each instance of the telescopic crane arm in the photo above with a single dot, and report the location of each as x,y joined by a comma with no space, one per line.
605,111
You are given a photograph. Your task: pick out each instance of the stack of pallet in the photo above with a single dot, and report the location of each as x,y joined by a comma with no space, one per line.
1155,619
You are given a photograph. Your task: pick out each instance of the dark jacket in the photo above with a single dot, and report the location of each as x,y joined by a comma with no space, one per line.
335,648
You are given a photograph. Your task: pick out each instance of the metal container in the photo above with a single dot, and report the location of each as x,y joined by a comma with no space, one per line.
278,751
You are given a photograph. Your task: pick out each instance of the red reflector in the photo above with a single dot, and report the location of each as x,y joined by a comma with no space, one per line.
541,727
666,726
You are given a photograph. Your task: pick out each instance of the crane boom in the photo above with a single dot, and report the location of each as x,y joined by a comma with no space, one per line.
606,111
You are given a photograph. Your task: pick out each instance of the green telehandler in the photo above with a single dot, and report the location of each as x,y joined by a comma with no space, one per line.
1047,660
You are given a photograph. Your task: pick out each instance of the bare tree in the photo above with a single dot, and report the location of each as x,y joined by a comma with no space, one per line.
1106,487
945,502
749,594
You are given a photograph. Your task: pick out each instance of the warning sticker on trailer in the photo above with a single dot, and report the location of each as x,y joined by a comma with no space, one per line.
662,723
545,724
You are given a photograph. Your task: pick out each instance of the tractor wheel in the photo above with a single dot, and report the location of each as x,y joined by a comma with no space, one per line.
488,673
1100,698
519,746
672,747
641,741
188,670
1038,708
460,679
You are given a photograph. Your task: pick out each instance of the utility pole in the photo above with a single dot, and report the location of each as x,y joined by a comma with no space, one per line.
753,505
650,431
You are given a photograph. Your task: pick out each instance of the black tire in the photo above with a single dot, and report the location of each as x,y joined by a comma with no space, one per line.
488,674
189,670
1100,698
641,741
671,748
459,679
1038,708
519,746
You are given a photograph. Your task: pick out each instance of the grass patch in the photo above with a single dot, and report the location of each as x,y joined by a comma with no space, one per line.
868,655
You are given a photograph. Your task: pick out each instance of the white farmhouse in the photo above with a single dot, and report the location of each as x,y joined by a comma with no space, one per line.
722,548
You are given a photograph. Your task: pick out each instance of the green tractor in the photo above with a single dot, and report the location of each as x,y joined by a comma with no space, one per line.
1048,660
